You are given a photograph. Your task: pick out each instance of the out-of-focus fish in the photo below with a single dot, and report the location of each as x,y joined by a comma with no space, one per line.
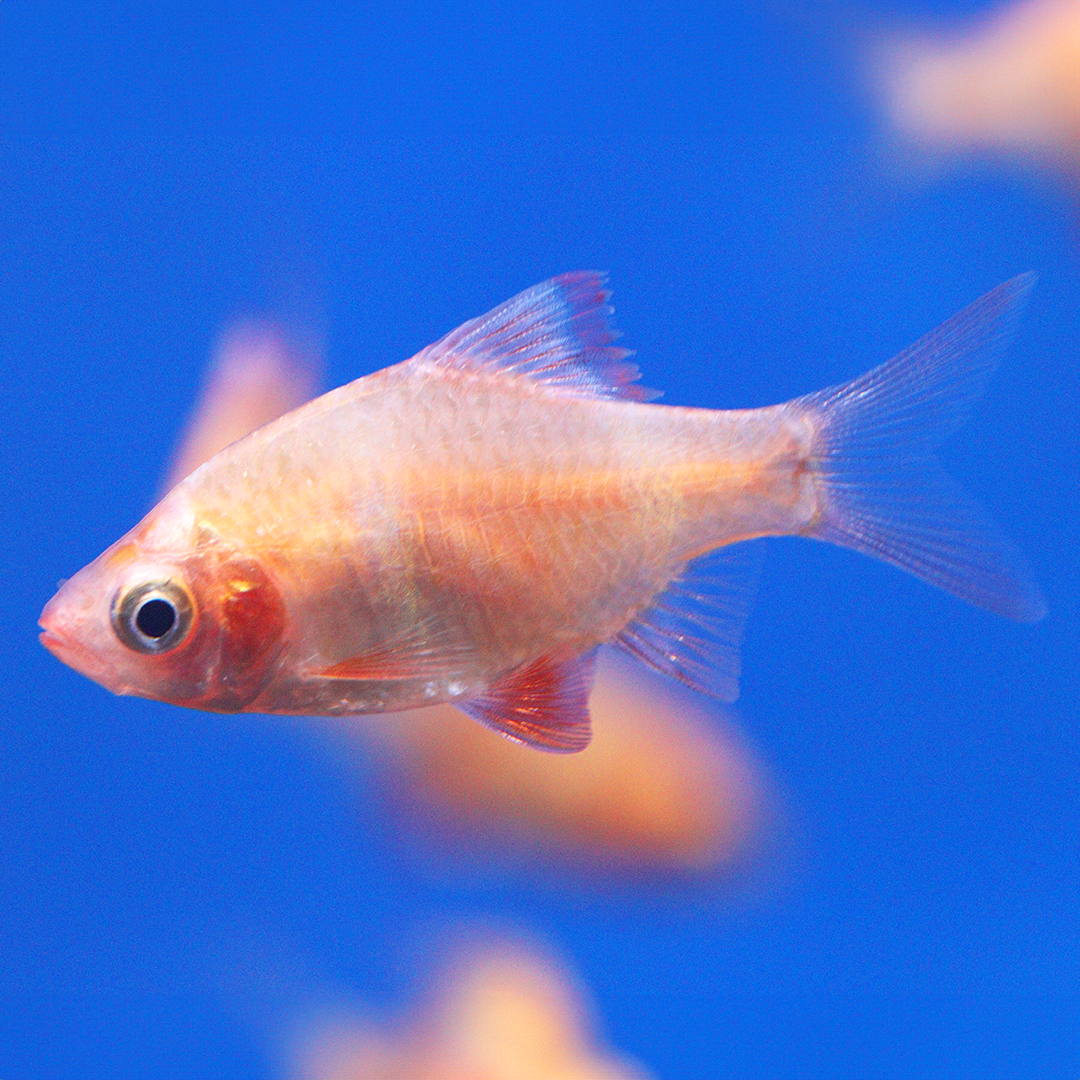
1010,82
258,374
469,525
502,1012
667,789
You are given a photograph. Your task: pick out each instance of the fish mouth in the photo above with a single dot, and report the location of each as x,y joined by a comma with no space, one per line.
51,641
77,656
68,651
71,653
80,659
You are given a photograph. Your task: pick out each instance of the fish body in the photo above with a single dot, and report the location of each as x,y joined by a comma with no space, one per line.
469,525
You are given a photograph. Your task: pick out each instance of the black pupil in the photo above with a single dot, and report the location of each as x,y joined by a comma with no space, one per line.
155,618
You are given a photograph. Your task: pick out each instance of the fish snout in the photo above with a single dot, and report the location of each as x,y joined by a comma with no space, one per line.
56,631
65,629
51,623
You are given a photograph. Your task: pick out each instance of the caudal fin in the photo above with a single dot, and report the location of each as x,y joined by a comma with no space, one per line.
882,489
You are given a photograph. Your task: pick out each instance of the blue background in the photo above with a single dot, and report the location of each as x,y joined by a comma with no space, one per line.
175,886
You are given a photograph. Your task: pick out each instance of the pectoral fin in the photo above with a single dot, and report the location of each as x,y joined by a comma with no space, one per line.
543,704
425,650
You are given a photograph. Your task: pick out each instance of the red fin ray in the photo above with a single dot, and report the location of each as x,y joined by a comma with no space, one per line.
544,704
558,333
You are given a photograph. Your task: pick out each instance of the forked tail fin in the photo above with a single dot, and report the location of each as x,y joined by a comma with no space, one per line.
882,490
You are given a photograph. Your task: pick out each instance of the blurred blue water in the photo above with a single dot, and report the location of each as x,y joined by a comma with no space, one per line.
174,884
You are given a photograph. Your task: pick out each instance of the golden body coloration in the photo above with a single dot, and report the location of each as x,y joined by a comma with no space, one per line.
469,525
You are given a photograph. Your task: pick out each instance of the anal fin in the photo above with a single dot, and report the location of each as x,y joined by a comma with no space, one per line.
693,632
544,704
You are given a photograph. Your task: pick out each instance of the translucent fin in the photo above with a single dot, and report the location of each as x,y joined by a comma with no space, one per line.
424,651
694,630
545,704
558,332
884,492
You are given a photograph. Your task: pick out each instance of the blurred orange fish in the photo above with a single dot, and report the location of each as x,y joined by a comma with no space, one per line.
1010,82
469,525
502,1012
259,372
666,788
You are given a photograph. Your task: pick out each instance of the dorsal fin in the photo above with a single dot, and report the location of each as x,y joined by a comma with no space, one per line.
543,704
693,632
558,333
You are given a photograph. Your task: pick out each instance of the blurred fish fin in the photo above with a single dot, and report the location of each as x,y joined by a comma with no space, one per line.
543,704
558,333
882,489
423,651
694,630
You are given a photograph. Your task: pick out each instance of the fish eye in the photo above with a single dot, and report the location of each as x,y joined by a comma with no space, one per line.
153,617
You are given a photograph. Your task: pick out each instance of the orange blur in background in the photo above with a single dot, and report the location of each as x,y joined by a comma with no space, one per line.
1009,83
665,786
500,1013
257,374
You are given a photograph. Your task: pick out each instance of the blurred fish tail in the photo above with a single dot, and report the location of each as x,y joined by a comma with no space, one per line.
882,490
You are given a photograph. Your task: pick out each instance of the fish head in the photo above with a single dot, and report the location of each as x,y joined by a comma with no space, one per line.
171,612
